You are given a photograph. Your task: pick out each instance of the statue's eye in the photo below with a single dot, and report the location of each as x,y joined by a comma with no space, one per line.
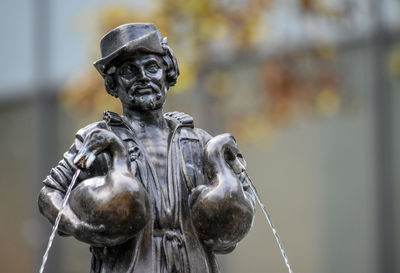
126,70
152,68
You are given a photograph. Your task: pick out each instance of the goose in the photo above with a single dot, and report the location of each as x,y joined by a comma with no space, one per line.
223,205
118,201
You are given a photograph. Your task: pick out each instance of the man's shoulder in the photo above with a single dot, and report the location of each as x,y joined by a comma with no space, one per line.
188,130
185,120
180,118
109,119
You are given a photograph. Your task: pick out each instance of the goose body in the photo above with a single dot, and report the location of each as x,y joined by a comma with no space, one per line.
117,200
223,205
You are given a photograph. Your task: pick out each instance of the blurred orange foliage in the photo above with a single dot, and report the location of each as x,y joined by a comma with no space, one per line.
204,30
292,89
191,27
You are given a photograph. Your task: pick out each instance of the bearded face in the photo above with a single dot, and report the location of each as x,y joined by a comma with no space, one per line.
141,82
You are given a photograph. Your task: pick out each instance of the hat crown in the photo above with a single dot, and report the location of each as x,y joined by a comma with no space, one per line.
122,35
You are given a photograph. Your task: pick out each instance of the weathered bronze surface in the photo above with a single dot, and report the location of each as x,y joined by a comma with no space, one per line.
155,193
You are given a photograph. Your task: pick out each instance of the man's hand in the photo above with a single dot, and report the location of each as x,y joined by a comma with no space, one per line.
88,232
95,143
90,228
225,146
234,157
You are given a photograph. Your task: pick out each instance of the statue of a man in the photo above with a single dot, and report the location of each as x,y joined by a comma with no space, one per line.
154,194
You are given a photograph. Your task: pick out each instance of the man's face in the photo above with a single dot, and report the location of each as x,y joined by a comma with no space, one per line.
141,82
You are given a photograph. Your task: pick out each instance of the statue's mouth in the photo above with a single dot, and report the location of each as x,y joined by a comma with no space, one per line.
147,89
144,91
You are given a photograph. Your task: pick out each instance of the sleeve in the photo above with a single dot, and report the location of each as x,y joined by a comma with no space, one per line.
60,176
203,135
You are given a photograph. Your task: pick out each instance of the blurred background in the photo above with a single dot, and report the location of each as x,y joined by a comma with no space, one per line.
310,88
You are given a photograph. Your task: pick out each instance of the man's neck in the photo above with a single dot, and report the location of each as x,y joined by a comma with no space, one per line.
143,119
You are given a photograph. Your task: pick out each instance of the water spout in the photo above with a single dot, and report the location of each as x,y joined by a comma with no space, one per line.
268,217
57,222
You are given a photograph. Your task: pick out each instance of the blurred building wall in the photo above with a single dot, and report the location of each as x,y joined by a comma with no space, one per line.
318,175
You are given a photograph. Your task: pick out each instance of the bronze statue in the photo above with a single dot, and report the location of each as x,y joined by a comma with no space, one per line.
155,194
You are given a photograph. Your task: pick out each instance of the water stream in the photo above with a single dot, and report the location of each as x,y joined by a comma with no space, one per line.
268,217
75,177
57,222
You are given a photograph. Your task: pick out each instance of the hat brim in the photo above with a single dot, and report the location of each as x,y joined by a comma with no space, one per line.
149,43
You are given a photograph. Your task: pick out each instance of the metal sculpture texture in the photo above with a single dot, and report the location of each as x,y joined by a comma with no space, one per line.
153,193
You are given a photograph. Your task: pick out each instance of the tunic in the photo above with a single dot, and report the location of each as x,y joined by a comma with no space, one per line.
169,242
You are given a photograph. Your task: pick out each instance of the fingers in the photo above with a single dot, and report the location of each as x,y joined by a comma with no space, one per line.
225,145
237,163
242,160
237,166
90,160
95,142
79,159
231,153
86,227
98,228
84,158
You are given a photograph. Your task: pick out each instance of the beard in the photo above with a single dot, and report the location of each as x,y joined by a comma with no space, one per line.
152,98
146,102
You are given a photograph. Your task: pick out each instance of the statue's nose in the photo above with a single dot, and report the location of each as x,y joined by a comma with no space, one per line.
142,76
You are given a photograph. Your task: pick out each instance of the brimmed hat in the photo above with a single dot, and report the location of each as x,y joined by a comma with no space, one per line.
128,38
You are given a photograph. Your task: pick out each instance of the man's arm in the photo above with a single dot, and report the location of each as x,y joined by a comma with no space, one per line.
52,195
223,211
97,172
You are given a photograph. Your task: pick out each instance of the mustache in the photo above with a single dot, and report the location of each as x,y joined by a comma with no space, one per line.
136,87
